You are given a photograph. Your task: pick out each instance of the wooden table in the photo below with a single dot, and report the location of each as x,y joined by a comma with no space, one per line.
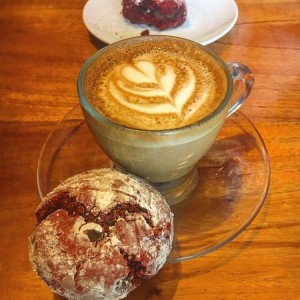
42,48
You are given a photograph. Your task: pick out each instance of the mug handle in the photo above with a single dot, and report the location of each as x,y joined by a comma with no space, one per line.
243,80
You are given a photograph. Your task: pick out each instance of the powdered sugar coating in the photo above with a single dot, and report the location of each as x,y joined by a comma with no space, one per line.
100,233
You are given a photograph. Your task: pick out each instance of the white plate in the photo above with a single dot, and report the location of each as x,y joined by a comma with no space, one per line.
206,21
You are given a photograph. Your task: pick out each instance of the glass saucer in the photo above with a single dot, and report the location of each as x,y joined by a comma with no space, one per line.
233,180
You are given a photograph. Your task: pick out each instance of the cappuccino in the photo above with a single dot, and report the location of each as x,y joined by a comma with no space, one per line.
155,105
155,84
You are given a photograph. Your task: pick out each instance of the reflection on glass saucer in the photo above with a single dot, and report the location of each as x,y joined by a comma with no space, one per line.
233,181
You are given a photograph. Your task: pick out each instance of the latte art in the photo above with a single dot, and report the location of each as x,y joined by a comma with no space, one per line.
153,89
159,87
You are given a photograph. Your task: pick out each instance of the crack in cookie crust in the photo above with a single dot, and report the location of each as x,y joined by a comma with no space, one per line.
63,200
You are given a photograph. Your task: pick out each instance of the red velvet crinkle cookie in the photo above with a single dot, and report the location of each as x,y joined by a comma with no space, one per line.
162,14
100,234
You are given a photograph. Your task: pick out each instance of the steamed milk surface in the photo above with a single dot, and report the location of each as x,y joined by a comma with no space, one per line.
155,85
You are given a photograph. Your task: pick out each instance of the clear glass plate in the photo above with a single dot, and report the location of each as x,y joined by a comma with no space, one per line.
233,182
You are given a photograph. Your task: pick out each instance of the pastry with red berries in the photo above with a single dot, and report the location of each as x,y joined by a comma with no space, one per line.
162,14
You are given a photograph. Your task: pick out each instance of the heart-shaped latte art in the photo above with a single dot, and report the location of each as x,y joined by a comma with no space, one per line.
151,87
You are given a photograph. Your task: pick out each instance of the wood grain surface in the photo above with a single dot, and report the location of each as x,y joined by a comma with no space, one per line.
43,45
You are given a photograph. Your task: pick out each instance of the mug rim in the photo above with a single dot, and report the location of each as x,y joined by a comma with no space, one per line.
100,117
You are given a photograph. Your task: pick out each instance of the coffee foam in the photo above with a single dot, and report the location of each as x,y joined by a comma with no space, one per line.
155,85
